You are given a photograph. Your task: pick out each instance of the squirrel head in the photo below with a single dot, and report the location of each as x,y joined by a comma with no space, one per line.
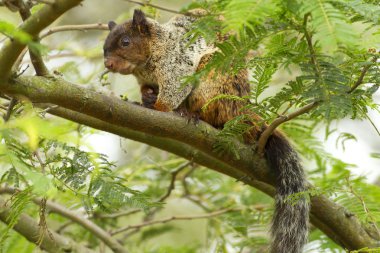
127,45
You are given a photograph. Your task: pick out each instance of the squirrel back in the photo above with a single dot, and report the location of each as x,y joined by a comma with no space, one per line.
159,56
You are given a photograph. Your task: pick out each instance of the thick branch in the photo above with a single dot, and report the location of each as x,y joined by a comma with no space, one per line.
77,218
170,132
33,25
28,227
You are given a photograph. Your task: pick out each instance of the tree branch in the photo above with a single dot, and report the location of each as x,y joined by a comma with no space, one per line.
174,134
51,2
87,224
283,118
270,129
173,218
28,227
65,28
33,25
75,217
12,104
362,75
36,58
174,174
154,6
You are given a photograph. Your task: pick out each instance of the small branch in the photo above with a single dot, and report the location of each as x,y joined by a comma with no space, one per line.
283,118
165,220
66,28
37,155
362,75
173,179
51,2
154,6
270,129
11,105
184,183
29,228
310,45
11,50
116,215
90,226
87,224
365,208
36,58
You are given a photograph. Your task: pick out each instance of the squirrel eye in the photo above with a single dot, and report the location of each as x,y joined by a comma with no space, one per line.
125,41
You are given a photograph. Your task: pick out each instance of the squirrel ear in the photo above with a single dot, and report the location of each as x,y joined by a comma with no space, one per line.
140,22
111,25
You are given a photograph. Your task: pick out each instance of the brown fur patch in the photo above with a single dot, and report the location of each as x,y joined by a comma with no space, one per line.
125,60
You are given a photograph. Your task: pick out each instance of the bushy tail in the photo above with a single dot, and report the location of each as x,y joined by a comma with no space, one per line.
290,221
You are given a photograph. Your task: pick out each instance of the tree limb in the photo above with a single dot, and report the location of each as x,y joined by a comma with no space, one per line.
78,219
174,134
35,57
33,25
28,227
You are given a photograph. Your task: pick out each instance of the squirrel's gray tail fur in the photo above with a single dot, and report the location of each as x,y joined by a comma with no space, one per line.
290,220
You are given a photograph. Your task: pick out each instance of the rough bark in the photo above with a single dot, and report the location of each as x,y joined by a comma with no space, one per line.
28,227
170,132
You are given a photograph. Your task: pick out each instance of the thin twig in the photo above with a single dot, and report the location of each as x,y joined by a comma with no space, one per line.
36,58
362,75
154,6
184,183
365,208
172,218
51,2
283,118
11,105
270,129
310,45
116,215
37,155
174,174
65,28
64,226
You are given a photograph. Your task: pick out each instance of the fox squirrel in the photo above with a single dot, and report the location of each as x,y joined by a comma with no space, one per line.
159,55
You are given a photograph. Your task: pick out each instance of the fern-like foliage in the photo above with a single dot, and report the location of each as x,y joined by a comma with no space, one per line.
331,25
244,13
17,203
54,165
361,11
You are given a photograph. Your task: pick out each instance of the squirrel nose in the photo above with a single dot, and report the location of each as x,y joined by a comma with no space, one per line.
108,64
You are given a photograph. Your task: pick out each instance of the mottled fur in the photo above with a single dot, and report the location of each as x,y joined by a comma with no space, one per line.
159,56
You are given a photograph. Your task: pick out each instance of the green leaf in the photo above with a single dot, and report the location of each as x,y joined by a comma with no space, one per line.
331,26
245,13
